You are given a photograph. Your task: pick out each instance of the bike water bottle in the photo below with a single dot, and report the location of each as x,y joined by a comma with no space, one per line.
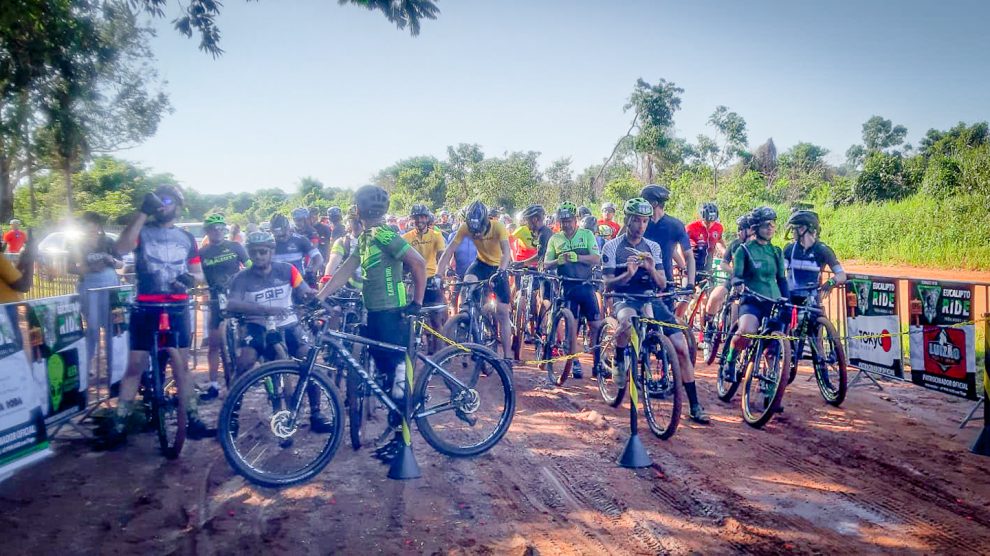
794,317
399,383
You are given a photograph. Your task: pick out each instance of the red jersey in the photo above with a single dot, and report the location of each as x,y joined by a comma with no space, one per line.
15,240
611,224
703,236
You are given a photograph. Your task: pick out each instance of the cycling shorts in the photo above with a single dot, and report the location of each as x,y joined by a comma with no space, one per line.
144,324
483,272
759,309
214,320
583,302
255,337
389,327
433,296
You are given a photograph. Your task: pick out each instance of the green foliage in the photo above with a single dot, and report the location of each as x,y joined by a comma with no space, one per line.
622,188
941,179
880,134
882,178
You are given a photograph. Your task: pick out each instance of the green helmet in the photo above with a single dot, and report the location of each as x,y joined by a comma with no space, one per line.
566,209
637,206
259,239
214,220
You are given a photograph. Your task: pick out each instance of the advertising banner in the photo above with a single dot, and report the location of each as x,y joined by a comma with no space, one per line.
875,314
120,338
22,425
943,357
58,355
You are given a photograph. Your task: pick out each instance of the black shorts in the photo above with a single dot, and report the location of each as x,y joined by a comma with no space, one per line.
389,327
215,313
255,337
759,309
583,302
433,296
485,271
145,321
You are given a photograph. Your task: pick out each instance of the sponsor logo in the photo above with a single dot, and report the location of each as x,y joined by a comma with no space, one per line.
944,352
884,342
929,300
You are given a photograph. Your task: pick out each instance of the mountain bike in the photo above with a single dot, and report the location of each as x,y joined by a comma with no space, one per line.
651,358
165,406
557,331
523,324
475,322
825,351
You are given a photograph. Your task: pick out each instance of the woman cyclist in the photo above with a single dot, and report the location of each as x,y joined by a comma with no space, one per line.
721,291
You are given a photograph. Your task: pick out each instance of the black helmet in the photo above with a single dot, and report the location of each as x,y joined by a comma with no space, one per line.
654,193
803,218
709,212
476,217
172,191
743,222
590,223
419,210
583,211
279,221
534,210
334,214
260,239
761,215
372,201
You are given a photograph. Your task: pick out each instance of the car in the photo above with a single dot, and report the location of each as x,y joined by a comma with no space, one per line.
53,252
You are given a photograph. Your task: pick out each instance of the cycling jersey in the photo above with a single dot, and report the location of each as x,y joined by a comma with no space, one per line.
430,245
464,255
761,267
521,243
325,235
583,243
667,233
296,250
345,247
489,245
531,243
703,240
221,261
804,266
162,254
273,289
381,251
309,233
337,231
616,252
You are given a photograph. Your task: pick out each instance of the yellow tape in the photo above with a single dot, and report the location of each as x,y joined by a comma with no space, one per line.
444,338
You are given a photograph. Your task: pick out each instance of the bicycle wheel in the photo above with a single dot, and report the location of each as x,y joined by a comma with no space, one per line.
830,364
367,417
228,353
561,341
519,324
277,448
458,328
660,374
692,341
763,388
720,327
168,408
466,419
611,390
724,387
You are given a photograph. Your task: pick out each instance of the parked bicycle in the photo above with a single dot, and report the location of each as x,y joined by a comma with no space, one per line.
816,334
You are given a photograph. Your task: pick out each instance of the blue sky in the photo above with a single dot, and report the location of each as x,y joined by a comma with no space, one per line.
310,88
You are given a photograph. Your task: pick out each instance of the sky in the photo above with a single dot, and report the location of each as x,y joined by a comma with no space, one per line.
311,88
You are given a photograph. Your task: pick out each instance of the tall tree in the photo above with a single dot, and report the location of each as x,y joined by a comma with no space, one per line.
880,134
654,107
728,142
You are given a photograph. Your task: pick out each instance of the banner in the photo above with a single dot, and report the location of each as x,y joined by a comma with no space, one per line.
119,341
22,425
875,314
943,357
58,355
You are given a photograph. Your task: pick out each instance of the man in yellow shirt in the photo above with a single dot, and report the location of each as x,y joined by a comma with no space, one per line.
430,243
492,242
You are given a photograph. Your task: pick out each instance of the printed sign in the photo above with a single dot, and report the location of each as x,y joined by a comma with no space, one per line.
943,356
119,340
874,328
58,355
22,425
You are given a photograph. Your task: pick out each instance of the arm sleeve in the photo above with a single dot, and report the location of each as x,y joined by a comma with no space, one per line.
550,251
396,247
295,278
785,291
657,254
235,289
608,255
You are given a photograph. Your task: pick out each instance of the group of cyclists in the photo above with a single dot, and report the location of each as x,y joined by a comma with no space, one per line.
397,267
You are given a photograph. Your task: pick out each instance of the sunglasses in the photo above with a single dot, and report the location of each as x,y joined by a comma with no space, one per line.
259,251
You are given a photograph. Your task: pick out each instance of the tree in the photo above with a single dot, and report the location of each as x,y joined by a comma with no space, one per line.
764,160
560,178
880,134
654,107
882,178
727,143
855,155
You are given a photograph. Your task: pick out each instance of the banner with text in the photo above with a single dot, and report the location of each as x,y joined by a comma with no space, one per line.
875,315
58,355
120,339
943,357
22,424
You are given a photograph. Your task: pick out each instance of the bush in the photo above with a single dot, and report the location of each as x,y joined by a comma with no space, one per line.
941,178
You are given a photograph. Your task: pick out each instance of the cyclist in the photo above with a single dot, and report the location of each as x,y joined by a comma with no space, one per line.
444,223
718,295
264,290
806,257
492,242
221,259
428,241
381,254
295,249
583,211
167,263
669,233
344,247
608,219
337,227
706,238
759,266
302,227
572,252
323,232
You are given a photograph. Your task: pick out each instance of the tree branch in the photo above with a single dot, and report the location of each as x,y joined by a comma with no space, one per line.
615,149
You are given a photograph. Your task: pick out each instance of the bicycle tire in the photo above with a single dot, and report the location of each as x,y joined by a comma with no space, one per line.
558,346
231,428
833,396
660,383
692,341
458,328
765,401
432,430
228,352
519,325
354,400
168,408
610,390
725,389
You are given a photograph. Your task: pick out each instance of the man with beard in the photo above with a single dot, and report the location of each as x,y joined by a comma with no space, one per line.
428,241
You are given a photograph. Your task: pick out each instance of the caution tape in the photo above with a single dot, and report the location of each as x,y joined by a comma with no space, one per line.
527,362
429,329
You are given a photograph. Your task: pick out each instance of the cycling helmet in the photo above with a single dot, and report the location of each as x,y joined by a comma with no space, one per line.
566,209
607,207
709,212
172,191
761,215
419,210
743,222
279,221
260,238
637,206
654,193
804,218
300,213
214,220
590,223
476,217
334,214
583,211
372,201
534,210
605,231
